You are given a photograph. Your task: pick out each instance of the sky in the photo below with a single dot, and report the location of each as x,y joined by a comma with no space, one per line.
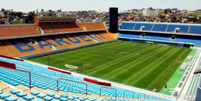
98,5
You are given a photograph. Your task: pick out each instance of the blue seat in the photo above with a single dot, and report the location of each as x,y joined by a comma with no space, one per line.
11,98
21,94
63,99
34,93
92,99
76,100
75,97
81,99
64,95
36,99
28,97
99,99
70,98
14,91
55,100
56,96
50,94
40,95
47,98
4,95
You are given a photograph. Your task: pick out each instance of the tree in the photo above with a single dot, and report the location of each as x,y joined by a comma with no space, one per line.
58,10
51,13
18,14
16,22
12,13
30,18
42,10
2,9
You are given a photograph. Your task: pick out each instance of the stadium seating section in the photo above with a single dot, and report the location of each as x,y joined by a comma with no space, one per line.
9,31
157,37
148,26
162,27
126,25
159,27
194,83
6,32
29,46
87,26
98,25
24,30
48,29
45,82
195,29
62,28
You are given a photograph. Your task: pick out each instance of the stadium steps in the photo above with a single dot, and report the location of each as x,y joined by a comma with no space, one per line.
12,31
6,51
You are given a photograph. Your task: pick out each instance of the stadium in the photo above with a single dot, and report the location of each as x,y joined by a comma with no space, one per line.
57,59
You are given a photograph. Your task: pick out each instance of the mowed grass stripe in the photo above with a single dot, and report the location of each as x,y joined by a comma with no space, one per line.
83,52
102,53
161,68
101,67
161,79
120,58
132,69
137,60
150,67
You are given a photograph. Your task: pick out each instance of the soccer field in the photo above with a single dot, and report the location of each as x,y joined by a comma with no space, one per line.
141,65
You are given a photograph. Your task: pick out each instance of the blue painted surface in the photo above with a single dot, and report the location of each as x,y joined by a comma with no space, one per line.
148,26
183,28
60,41
20,46
159,27
43,43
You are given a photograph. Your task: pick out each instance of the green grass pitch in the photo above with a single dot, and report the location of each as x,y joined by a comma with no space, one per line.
141,65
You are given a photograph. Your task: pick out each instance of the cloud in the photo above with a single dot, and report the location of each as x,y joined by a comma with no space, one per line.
192,1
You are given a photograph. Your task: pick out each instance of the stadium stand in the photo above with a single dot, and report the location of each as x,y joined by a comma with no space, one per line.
98,25
61,28
160,27
188,39
47,29
22,47
194,83
129,35
127,25
183,28
36,45
148,26
195,29
5,51
86,26
75,27
44,81
157,37
24,30
6,32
